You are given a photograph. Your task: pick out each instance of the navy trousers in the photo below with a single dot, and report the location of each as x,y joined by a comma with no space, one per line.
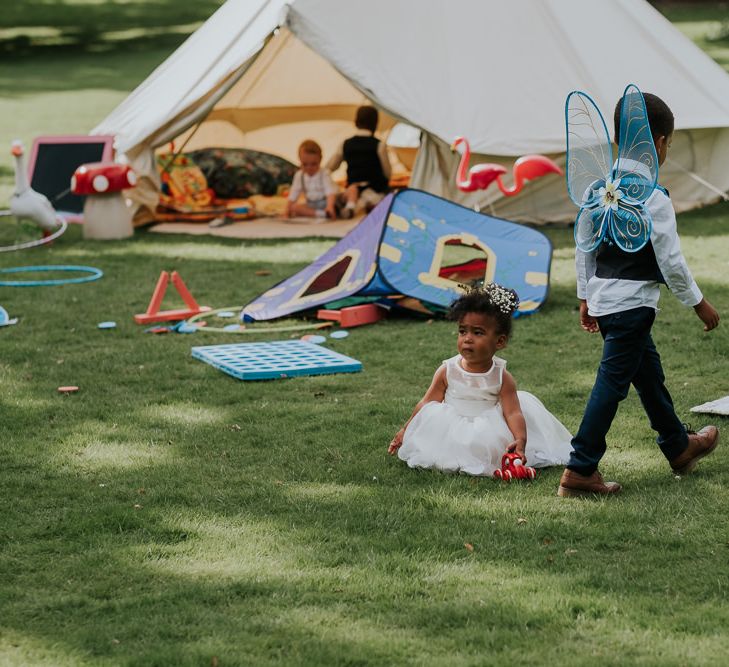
628,357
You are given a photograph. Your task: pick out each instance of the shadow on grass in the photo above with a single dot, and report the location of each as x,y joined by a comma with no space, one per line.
91,44
710,220
167,513
316,546
79,72
35,24
234,547
59,46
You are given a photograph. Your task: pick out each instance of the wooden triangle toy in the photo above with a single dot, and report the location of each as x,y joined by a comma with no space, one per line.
154,314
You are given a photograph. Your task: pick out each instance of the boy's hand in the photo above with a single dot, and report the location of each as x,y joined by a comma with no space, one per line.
518,446
587,321
707,314
396,442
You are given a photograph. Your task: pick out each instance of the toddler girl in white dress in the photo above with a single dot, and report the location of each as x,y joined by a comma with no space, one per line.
472,412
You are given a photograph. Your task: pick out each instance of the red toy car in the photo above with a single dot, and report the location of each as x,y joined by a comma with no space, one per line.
513,468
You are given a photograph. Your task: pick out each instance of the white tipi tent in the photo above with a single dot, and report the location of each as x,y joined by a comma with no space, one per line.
265,74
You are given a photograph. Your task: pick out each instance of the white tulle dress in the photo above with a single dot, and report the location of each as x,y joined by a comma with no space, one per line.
467,432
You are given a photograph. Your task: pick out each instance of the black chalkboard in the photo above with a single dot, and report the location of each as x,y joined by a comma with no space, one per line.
55,159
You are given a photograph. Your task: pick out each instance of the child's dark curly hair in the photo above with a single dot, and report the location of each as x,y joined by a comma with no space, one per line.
495,301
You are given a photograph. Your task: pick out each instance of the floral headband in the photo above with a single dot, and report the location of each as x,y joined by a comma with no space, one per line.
503,298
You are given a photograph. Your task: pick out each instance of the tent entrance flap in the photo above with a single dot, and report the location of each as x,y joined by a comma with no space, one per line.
288,93
332,276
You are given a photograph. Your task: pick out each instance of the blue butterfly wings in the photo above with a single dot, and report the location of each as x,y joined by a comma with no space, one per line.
611,194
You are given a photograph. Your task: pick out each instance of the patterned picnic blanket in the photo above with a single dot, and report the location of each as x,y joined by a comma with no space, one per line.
208,183
239,173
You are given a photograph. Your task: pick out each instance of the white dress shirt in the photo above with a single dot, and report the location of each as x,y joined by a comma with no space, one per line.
611,295
315,188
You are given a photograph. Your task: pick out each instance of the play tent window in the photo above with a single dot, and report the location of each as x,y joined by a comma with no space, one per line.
459,259
332,280
463,263
329,278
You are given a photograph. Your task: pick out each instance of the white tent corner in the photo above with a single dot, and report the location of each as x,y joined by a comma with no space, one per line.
264,74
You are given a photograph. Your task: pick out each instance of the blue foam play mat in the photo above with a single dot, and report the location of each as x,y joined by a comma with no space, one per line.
277,359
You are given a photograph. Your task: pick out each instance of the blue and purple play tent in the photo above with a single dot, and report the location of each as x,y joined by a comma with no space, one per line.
402,248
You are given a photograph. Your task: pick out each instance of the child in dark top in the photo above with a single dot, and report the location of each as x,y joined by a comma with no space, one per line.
618,293
368,167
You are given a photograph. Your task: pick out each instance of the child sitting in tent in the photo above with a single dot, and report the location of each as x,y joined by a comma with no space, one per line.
368,167
314,183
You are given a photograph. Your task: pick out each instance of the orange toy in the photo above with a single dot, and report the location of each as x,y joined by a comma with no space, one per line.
353,316
154,314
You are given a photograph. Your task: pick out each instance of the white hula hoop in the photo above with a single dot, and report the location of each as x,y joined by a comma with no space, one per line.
62,226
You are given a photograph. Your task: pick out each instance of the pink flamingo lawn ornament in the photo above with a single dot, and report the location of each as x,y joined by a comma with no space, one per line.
480,176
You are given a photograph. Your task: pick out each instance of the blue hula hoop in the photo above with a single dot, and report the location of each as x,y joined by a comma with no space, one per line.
95,274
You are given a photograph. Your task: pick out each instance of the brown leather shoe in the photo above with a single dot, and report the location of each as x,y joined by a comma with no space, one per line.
699,445
573,484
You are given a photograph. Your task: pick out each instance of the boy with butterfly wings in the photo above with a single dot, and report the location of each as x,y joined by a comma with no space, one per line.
627,244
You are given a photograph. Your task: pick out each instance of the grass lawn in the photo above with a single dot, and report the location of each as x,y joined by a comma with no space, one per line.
167,514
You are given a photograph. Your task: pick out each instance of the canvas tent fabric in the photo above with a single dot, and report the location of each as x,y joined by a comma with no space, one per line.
264,74
401,247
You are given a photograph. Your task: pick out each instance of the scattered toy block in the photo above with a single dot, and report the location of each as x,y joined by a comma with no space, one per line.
354,316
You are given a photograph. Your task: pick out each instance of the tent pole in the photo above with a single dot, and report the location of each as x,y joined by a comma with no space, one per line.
178,152
200,122
700,180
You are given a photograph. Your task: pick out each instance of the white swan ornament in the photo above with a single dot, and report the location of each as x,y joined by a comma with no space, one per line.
26,202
